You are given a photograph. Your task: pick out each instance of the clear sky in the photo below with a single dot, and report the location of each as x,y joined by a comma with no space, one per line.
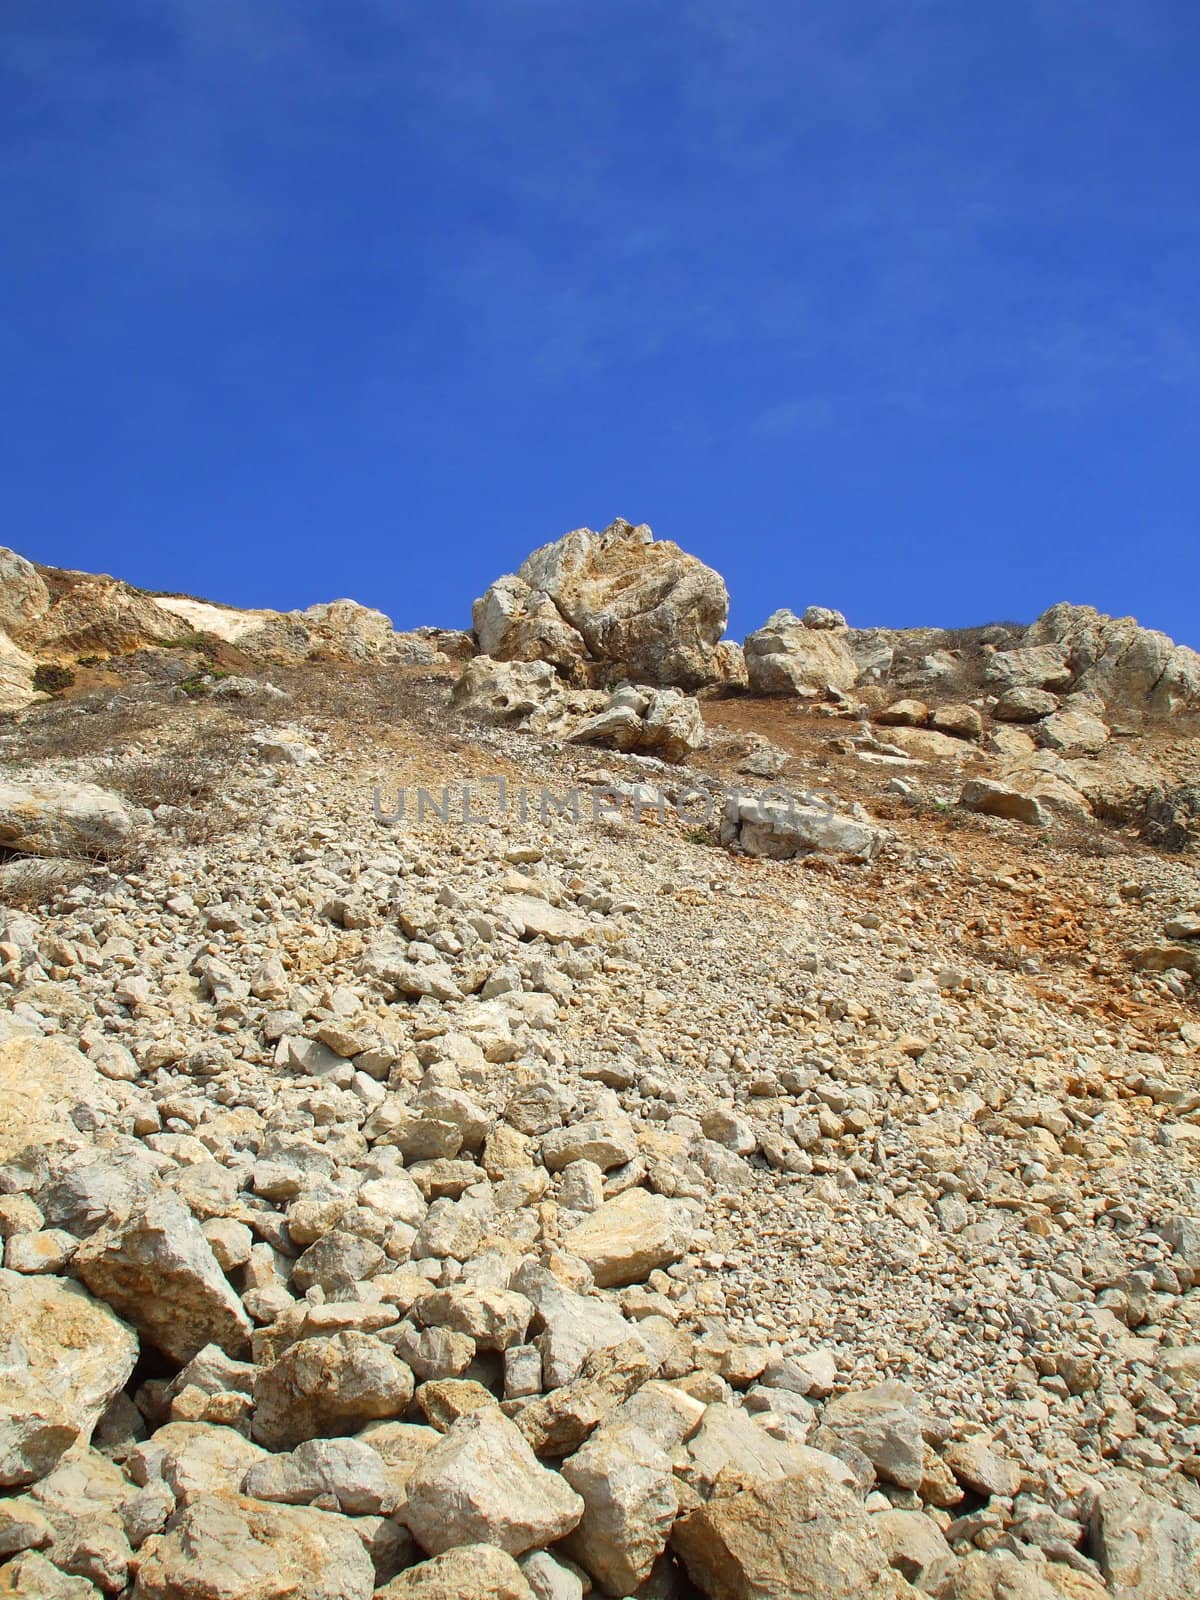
890,305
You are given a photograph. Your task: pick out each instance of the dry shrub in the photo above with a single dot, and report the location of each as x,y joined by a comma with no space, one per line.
29,882
191,776
70,730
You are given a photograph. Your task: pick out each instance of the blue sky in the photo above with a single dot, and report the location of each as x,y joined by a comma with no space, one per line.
887,307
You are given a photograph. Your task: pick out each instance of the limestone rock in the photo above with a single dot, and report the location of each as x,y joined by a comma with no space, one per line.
1147,1548
630,1503
63,1357
32,1577
560,1421
504,691
782,828
997,800
56,818
619,602
880,1424
796,1538
482,1484
24,596
348,1469
904,714
1119,661
570,1325
16,675
788,655
235,1548
328,1386
42,1083
629,1237
979,1466
1025,705
469,1572
657,722
157,1269
1072,732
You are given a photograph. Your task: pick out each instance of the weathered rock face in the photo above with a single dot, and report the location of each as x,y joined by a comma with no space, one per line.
797,1538
617,603
24,596
91,614
235,1548
789,655
16,675
49,818
62,1359
1119,661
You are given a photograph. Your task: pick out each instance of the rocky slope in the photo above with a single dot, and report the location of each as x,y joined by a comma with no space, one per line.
487,1131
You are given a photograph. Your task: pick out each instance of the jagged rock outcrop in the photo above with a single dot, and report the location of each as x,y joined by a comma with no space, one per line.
91,614
1119,661
614,604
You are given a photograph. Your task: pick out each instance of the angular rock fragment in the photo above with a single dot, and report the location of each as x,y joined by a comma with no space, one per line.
482,1484
157,1269
63,1356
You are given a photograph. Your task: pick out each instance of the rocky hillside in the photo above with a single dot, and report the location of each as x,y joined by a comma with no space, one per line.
583,1107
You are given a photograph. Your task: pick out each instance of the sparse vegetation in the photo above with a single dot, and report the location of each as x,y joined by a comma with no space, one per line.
27,882
52,679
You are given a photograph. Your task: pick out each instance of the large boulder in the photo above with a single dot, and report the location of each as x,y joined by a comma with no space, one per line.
785,827
993,799
51,817
630,1501
328,1387
504,691
795,1538
614,604
229,1547
62,1359
657,722
1147,1548
626,1239
804,656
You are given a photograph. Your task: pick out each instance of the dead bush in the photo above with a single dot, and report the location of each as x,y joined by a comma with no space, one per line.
29,882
